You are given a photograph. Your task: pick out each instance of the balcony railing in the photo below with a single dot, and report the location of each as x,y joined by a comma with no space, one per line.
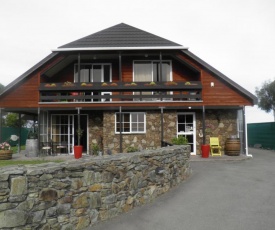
119,91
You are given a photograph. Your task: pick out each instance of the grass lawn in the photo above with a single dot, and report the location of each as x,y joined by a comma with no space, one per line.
4,163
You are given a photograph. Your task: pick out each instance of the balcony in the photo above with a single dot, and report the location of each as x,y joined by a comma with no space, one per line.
102,92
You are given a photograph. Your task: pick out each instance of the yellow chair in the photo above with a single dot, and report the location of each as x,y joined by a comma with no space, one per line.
215,147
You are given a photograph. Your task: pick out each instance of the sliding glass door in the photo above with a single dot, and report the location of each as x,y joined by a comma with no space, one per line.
63,128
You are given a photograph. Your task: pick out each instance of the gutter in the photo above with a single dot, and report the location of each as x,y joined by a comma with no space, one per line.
121,48
245,130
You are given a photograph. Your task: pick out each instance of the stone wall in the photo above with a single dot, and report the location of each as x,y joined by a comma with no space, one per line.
79,193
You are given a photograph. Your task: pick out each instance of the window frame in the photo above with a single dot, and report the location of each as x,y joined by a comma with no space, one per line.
152,68
130,123
90,73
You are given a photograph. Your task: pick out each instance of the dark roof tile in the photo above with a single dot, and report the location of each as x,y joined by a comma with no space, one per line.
121,35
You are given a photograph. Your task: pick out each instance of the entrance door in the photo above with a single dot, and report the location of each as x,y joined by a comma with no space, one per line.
187,128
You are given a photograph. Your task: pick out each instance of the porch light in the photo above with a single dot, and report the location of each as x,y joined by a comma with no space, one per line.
212,84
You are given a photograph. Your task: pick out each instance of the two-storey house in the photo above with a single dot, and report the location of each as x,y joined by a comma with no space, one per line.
128,88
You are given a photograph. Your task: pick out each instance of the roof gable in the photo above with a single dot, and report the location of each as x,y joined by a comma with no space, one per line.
120,36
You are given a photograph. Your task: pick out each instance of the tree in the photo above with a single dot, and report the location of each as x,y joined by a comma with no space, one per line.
266,97
12,120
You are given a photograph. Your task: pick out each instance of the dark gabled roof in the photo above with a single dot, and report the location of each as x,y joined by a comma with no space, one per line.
221,75
121,36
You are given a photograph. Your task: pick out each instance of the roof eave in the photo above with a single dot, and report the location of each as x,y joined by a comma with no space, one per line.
28,72
121,48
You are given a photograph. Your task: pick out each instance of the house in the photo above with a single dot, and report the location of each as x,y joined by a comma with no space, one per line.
127,88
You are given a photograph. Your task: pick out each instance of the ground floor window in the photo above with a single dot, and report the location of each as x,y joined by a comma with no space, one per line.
134,122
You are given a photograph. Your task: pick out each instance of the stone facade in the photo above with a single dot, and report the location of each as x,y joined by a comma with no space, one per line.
79,193
219,123
150,140
222,124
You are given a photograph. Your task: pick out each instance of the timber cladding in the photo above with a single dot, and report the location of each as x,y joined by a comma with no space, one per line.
222,93
25,95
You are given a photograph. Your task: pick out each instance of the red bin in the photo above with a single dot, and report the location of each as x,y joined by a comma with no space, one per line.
205,149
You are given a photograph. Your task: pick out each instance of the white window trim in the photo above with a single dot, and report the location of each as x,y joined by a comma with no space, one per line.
131,132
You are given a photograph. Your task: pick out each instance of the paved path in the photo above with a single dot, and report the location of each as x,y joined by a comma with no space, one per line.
220,195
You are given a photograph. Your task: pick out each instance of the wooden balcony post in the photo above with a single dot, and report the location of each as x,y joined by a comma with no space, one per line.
120,131
161,124
1,125
78,67
119,67
203,125
160,67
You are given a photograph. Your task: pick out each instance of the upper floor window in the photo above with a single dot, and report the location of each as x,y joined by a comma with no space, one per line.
150,71
93,73
134,122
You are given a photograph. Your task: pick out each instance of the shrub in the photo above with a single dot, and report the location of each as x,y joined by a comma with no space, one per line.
181,140
132,149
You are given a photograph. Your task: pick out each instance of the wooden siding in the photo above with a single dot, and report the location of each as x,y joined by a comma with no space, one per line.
24,96
222,94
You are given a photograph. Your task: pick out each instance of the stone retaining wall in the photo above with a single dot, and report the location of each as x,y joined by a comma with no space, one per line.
79,193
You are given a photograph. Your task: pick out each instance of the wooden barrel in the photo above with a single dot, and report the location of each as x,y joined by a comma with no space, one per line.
232,146
5,154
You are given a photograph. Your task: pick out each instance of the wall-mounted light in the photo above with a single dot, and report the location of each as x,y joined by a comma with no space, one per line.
212,84
189,107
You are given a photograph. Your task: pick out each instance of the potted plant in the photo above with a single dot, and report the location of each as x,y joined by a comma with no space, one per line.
50,85
150,84
68,83
78,148
171,83
5,151
86,84
131,84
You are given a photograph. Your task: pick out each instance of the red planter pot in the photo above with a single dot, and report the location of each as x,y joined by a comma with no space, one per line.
78,151
205,149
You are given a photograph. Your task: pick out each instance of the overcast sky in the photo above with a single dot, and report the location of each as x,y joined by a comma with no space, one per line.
237,37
